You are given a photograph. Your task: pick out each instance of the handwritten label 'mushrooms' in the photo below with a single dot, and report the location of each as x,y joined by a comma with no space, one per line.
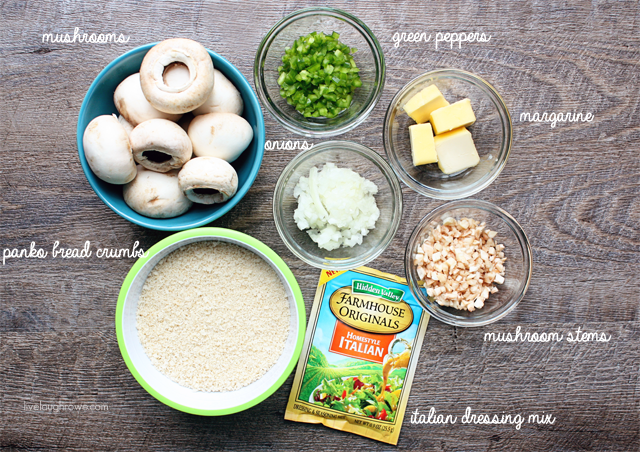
93,38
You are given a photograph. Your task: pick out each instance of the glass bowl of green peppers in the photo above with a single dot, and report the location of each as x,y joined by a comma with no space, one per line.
319,72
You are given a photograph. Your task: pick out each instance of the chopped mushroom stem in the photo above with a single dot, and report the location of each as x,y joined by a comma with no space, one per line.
459,263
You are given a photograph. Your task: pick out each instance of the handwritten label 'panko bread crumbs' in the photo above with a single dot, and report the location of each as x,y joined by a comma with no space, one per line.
360,354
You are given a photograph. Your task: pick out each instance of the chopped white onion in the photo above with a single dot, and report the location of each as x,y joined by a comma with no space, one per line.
336,205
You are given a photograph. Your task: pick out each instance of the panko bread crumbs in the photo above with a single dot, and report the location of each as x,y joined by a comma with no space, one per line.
360,353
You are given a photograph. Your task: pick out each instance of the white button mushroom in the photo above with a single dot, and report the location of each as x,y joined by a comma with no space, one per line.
156,195
222,135
208,180
225,97
160,145
177,94
128,127
107,150
132,104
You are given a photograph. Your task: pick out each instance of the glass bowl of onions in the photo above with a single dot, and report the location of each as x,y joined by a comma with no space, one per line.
322,205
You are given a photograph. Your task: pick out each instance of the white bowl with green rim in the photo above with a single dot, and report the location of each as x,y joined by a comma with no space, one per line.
168,391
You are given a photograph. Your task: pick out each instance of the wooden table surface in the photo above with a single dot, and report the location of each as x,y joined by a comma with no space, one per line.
574,188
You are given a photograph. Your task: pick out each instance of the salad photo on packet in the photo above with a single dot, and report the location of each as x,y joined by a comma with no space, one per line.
360,353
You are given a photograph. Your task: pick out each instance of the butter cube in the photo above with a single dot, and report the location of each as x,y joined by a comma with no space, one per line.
423,148
420,106
456,151
459,114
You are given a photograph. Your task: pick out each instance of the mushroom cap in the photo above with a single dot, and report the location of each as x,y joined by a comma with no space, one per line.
224,98
188,96
222,135
156,195
107,150
160,145
128,127
132,104
208,180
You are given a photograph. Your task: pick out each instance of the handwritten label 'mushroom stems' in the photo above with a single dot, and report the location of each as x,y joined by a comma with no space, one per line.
518,336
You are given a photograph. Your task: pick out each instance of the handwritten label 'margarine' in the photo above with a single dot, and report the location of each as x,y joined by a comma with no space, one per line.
553,118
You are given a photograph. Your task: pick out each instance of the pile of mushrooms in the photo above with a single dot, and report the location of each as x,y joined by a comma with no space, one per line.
178,130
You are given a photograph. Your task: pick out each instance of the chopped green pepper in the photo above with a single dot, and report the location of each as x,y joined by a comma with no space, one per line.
318,75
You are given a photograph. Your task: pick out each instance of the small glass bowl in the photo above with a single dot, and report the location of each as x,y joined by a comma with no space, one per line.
354,33
492,135
368,164
517,267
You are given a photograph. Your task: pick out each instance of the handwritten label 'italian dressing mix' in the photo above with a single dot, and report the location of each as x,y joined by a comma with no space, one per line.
360,353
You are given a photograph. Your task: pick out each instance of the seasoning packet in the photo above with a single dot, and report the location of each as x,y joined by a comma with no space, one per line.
360,353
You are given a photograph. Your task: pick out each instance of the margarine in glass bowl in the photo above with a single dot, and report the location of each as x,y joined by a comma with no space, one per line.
491,132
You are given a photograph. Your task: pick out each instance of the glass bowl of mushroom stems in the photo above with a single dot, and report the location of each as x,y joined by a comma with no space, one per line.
445,263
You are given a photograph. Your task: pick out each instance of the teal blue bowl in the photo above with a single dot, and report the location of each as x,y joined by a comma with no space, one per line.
99,101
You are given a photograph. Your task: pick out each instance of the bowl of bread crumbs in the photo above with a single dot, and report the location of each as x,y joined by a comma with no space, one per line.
468,263
210,322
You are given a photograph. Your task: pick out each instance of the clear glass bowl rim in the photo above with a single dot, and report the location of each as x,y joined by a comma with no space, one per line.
396,195
298,127
521,237
422,189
